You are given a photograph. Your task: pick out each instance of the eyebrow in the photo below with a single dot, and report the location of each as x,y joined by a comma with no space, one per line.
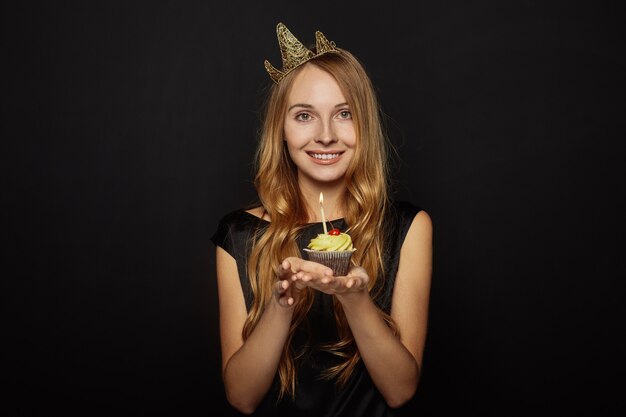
309,106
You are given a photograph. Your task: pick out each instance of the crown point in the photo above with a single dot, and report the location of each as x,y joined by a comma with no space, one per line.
294,53
274,74
322,45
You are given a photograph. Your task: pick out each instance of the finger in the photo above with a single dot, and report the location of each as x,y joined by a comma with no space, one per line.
281,286
326,271
283,269
285,298
285,301
306,277
336,283
292,263
355,282
310,266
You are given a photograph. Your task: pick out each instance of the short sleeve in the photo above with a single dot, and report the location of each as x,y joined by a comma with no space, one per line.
405,212
399,220
235,234
223,236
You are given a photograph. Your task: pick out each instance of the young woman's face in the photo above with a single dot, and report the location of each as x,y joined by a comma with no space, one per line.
319,130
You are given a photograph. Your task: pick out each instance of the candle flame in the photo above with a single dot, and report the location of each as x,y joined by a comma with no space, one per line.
321,198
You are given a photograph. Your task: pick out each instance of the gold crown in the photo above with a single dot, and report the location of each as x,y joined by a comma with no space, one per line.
294,53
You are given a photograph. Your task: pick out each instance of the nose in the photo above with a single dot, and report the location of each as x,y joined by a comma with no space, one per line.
326,136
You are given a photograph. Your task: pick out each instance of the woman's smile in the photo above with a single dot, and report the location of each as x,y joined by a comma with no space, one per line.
325,157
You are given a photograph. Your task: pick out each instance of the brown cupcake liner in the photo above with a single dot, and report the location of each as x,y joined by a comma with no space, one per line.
338,261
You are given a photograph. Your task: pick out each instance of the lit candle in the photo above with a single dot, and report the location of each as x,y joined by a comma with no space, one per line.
322,210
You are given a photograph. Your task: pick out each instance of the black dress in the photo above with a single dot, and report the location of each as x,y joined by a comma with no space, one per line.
314,396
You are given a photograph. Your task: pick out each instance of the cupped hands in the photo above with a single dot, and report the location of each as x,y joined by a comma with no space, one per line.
319,277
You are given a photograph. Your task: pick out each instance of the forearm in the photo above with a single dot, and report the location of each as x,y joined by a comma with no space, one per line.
249,373
391,366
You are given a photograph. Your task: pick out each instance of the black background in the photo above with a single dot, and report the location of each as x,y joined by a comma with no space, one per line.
129,129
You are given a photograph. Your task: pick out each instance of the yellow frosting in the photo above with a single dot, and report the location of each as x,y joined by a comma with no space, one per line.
326,242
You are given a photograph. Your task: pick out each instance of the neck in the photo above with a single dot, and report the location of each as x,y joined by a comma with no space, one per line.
333,202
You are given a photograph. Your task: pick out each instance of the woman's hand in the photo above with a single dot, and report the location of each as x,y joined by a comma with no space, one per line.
319,277
286,291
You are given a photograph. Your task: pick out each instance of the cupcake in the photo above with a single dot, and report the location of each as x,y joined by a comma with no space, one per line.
333,249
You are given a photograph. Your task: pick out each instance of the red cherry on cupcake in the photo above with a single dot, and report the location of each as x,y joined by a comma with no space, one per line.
334,232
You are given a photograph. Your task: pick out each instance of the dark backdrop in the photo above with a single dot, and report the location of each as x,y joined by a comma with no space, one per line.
128,130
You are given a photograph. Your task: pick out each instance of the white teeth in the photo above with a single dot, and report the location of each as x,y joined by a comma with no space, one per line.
324,155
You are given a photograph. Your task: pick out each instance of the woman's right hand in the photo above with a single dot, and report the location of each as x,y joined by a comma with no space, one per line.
286,290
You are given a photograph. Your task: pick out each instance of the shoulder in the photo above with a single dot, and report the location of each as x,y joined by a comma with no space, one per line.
236,223
418,229
405,213
404,209
422,224
405,216
233,218
243,215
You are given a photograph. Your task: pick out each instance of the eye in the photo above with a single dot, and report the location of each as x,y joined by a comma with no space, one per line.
304,117
345,114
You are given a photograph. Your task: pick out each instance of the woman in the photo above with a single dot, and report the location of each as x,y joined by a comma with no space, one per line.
295,338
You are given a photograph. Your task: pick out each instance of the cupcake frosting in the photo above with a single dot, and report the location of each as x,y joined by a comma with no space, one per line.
326,242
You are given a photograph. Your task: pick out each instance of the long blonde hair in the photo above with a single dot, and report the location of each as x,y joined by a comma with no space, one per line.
366,202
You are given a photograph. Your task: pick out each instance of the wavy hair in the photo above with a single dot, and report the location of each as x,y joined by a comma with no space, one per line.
366,202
